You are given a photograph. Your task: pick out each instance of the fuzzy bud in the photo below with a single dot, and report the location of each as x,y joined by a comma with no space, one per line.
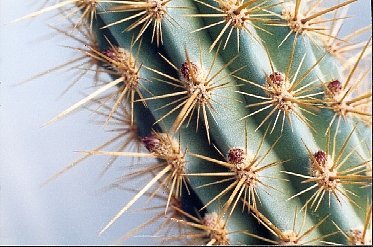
236,156
188,69
152,143
111,53
321,157
335,87
277,78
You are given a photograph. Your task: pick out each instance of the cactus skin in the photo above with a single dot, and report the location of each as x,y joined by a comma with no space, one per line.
232,117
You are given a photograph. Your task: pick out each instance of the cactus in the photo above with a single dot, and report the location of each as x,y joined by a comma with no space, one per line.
254,115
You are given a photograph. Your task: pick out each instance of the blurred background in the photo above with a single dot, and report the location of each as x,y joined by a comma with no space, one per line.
72,209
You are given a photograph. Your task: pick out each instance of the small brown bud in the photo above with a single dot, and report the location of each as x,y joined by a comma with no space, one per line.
111,53
335,87
152,143
277,78
321,157
236,156
188,69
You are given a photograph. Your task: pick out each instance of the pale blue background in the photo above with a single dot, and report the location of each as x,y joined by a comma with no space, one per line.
70,210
